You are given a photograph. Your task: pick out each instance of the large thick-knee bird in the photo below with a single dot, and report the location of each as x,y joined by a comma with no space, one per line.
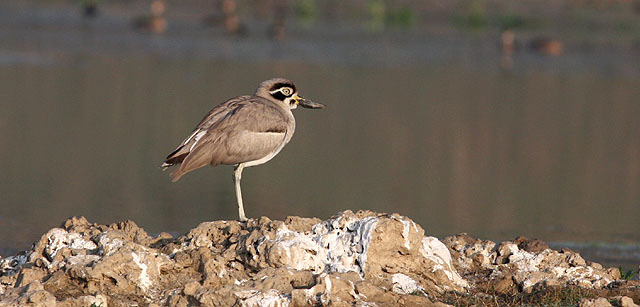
243,131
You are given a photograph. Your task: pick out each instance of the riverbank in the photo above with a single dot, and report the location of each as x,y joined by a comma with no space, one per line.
349,259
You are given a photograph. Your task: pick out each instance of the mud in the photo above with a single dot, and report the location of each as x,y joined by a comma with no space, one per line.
361,259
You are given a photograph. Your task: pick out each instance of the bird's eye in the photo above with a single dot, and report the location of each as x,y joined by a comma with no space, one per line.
286,91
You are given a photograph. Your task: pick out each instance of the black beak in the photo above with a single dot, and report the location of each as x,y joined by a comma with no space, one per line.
306,103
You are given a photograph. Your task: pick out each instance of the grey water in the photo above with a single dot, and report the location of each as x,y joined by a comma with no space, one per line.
423,125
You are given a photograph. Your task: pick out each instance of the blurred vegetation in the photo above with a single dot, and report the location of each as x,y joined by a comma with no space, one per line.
474,16
401,17
613,16
514,21
306,10
382,15
377,11
626,274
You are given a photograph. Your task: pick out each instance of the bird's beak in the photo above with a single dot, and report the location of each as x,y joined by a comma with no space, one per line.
307,103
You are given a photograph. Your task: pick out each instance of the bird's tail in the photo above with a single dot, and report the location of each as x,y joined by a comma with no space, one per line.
175,175
176,157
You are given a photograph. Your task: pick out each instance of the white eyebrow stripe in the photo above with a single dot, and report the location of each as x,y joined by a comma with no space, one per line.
280,90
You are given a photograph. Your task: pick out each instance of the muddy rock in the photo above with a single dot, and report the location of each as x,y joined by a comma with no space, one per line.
350,259
623,301
596,302
525,264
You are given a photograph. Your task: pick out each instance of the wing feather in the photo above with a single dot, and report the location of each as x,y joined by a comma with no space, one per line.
242,129
198,158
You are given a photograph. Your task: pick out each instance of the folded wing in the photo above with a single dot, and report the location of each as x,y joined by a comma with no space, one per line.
241,130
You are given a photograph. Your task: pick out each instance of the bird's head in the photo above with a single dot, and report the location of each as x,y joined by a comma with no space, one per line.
283,91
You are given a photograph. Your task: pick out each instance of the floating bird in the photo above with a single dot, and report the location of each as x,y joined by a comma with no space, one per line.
277,30
546,46
509,47
243,131
156,22
89,8
508,42
228,18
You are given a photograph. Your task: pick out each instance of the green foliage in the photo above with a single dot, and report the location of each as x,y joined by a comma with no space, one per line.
377,11
419,292
96,305
403,17
623,26
511,22
307,10
477,21
626,275
475,16
380,15
514,21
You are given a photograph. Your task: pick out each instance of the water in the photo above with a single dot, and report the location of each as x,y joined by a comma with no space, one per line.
550,149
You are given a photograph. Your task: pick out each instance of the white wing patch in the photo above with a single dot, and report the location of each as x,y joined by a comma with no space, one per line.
189,138
197,138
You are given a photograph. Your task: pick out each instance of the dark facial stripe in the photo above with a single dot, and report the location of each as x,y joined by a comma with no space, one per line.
282,84
279,95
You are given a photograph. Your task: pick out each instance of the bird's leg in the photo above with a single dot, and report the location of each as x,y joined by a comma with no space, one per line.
237,176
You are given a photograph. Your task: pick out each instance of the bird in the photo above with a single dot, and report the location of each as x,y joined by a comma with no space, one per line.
243,131
155,22
546,46
89,8
228,18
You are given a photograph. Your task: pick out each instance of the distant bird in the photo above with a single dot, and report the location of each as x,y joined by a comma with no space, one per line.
508,42
243,131
546,46
89,8
509,46
156,22
277,28
228,18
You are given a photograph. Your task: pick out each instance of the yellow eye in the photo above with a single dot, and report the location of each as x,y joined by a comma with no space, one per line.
286,91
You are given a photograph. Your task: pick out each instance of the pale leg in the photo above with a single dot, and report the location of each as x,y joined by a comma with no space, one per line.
237,176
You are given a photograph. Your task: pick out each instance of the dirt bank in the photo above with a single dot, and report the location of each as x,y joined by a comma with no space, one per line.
361,258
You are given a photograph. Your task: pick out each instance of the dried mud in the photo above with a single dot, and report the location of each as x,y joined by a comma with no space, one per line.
351,259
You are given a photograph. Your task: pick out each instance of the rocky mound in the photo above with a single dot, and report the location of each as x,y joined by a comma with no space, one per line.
361,259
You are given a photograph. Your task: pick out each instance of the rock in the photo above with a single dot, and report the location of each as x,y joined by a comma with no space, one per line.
598,302
623,301
469,254
42,298
351,259
263,262
504,284
27,275
530,263
191,288
532,246
32,294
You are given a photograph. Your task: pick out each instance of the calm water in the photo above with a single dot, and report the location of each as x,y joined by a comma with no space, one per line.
549,150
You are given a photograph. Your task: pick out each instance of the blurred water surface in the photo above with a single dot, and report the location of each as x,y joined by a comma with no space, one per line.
550,149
